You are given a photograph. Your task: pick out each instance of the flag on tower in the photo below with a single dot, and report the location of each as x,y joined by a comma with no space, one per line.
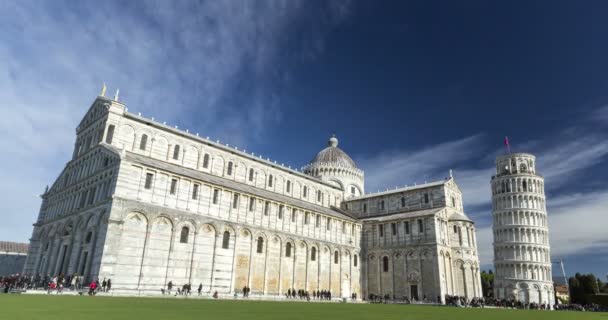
507,144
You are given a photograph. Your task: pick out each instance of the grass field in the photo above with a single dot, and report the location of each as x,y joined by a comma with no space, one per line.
111,308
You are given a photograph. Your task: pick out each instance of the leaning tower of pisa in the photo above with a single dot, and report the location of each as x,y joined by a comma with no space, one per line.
522,259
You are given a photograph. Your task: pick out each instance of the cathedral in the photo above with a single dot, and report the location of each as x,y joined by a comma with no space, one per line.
144,204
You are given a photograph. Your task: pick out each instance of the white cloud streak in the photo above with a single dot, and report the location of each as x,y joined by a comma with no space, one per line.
212,60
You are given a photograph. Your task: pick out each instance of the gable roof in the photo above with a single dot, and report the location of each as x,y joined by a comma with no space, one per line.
403,189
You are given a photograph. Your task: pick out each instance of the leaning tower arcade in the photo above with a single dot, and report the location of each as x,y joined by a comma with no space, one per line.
522,259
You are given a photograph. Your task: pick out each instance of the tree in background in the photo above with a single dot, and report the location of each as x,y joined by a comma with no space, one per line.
582,286
487,284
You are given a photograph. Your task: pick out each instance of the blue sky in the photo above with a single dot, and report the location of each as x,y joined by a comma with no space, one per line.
411,89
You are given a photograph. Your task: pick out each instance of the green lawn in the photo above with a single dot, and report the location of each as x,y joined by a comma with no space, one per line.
111,308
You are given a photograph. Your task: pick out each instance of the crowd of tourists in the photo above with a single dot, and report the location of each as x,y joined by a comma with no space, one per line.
52,284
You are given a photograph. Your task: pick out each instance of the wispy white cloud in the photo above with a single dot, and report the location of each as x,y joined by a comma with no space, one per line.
397,168
213,60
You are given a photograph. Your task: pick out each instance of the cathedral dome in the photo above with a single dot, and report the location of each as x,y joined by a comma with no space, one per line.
333,155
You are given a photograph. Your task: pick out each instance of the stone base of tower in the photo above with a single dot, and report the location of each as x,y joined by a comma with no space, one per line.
525,291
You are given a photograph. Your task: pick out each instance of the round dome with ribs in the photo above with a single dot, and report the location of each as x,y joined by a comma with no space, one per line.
333,155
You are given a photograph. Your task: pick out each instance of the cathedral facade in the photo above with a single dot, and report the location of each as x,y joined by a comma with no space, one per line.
143,204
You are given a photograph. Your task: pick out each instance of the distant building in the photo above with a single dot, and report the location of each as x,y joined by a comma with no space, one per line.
12,257
561,292
143,203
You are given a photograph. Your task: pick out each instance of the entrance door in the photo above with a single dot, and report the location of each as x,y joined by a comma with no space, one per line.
414,291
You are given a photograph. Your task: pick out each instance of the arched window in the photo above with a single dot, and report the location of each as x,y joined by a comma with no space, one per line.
355,260
260,245
183,237
288,249
455,229
229,169
206,161
336,257
313,254
143,142
110,134
524,185
270,181
226,240
176,152
250,174
385,264
288,188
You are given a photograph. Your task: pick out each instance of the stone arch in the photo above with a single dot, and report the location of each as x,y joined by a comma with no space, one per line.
126,137
160,147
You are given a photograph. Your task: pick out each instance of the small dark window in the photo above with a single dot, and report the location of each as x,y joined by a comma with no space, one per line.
343,227
293,215
406,225
288,189
266,208
355,260
382,205
143,142
226,240
260,245
216,194
195,192
328,225
270,181
235,201
313,254
251,204
420,226
281,208
319,196
229,170
183,237
426,198
455,229
385,264
173,187
250,174
453,202
336,257
306,217
365,208
176,152
305,192
88,238
148,183
402,202
206,161
394,228
317,221
381,230
352,190
288,249
110,134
